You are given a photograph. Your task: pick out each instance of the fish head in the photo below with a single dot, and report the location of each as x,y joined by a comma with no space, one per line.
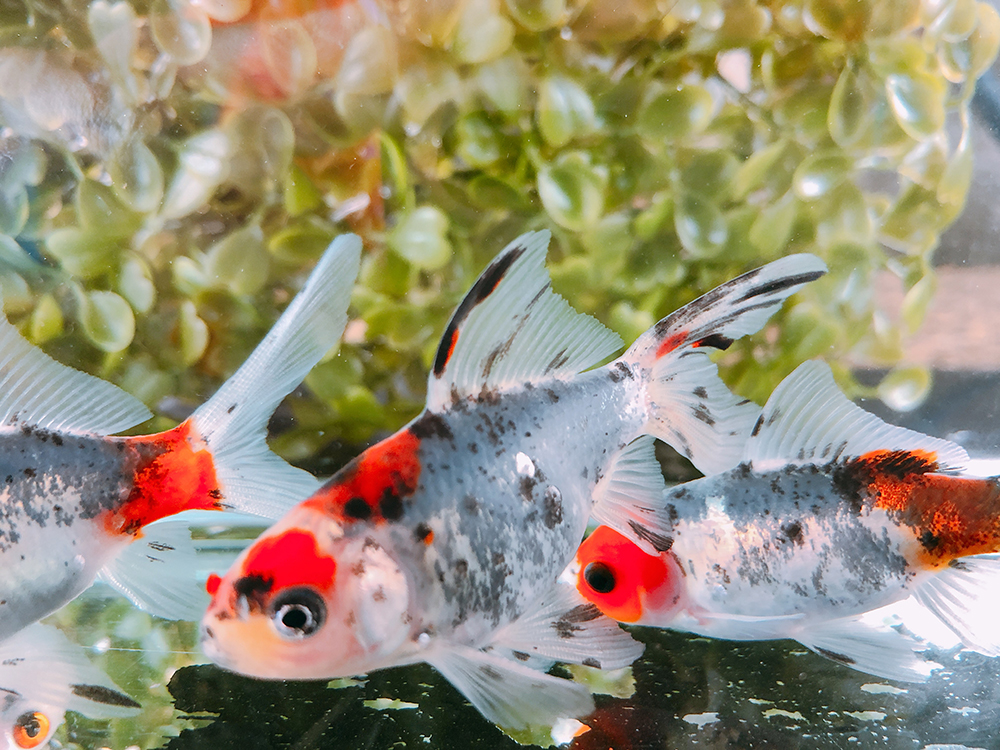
626,583
304,601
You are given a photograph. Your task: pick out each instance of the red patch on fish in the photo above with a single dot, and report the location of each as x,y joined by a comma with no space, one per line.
292,558
174,472
622,580
670,343
212,584
951,517
372,487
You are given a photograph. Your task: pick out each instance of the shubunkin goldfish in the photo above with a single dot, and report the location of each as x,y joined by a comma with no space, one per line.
443,543
73,497
831,514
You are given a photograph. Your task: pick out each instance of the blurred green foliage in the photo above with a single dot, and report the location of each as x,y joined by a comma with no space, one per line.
170,171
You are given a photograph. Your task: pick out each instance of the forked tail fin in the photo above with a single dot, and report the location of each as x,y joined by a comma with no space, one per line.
688,406
234,421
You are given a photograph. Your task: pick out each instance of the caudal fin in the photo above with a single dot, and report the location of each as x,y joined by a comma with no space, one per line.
689,406
234,421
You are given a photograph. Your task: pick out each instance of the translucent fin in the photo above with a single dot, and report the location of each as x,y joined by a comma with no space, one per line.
46,670
164,571
565,627
234,421
511,328
37,390
630,497
880,651
510,694
690,407
964,597
808,420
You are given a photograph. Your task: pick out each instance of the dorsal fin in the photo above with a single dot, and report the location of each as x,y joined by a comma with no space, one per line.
808,420
36,390
511,328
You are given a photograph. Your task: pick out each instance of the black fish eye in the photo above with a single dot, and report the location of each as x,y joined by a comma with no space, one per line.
599,577
298,613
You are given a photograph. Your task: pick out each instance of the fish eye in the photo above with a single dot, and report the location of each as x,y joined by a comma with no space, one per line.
30,729
599,577
298,613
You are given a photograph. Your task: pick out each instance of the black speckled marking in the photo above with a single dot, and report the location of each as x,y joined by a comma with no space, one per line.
660,543
390,505
101,694
833,655
553,507
431,425
793,532
483,288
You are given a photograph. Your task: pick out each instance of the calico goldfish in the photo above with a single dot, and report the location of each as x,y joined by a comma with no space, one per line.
73,495
443,543
43,675
831,514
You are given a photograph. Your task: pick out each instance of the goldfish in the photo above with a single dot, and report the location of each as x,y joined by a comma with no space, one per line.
73,495
443,542
831,515
43,675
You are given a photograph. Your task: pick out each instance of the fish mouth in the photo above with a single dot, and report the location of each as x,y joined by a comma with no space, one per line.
211,648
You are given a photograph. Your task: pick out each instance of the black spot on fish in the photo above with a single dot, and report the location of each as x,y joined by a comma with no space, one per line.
471,505
101,694
357,509
422,531
527,488
701,392
431,425
591,662
491,672
553,508
552,395
841,658
702,413
231,409
793,531
521,656
473,448
929,540
715,341
57,438
215,494
659,542
30,473
482,289
557,361
461,568
568,625
254,589
391,505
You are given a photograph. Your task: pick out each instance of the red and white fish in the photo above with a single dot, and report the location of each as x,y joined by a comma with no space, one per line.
831,514
43,675
72,497
443,542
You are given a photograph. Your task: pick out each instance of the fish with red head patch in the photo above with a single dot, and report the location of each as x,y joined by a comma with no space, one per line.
75,497
831,514
443,543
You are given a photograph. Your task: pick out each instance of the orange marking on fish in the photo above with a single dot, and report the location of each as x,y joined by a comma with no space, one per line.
292,558
670,343
451,346
175,472
373,485
950,516
639,580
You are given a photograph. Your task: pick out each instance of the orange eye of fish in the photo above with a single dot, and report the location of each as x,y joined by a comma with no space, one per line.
599,577
30,729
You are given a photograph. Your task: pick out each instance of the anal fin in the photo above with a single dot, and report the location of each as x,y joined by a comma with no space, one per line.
509,694
880,651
